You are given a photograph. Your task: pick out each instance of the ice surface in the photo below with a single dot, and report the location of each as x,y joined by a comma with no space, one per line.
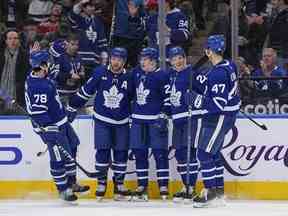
151,208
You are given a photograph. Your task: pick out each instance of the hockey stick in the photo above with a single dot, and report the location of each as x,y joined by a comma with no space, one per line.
9,100
41,153
262,126
198,64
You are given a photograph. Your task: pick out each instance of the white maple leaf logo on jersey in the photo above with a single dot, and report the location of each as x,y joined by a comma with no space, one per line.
91,35
175,96
142,94
112,98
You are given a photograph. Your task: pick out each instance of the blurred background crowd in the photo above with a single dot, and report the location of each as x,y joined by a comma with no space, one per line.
91,27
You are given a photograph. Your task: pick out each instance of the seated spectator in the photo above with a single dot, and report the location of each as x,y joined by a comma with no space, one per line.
14,65
246,87
268,69
51,25
40,10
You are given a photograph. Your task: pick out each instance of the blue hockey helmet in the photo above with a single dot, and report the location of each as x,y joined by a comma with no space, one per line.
216,43
175,51
150,53
38,57
119,52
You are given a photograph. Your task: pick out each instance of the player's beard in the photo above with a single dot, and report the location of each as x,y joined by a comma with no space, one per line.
116,68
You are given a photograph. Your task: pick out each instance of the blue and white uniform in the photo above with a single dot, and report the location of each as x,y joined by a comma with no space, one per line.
219,102
149,129
50,122
113,95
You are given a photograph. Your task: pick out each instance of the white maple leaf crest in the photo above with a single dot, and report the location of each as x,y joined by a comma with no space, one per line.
142,94
175,96
91,35
112,98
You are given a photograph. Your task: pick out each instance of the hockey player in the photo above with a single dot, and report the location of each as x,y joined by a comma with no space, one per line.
149,124
68,70
50,122
219,103
177,32
113,90
93,39
179,83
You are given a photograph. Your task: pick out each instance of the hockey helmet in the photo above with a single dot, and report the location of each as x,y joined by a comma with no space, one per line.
216,43
150,53
119,52
37,58
175,51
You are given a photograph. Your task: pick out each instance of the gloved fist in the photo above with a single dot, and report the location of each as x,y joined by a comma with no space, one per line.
50,134
71,113
193,99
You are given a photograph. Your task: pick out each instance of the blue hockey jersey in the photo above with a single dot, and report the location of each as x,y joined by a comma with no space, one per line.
152,95
179,84
176,21
93,39
43,103
62,70
219,93
113,95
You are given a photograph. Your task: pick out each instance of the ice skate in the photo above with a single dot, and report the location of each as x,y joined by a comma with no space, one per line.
68,196
140,195
220,196
182,195
164,194
81,190
100,192
121,193
206,199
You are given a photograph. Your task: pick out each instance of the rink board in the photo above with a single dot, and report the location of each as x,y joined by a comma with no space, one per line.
255,160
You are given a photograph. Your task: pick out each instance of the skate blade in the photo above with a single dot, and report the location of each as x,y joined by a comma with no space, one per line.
99,199
69,203
208,204
188,201
122,198
178,200
142,199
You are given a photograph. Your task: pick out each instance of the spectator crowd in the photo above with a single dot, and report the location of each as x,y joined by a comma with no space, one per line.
85,30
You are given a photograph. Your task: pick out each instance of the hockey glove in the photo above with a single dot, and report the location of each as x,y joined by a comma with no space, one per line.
71,113
194,99
50,134
162,124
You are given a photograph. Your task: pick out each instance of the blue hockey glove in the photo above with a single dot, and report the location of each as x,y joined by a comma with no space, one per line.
194,99
162,124
71,113
50,134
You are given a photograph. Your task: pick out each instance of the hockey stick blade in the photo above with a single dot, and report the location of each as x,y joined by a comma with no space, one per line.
262,126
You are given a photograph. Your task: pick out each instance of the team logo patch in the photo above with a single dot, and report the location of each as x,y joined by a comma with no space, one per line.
175,97
112,98
142,94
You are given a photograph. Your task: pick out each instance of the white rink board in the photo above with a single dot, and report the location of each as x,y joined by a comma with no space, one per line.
263,151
